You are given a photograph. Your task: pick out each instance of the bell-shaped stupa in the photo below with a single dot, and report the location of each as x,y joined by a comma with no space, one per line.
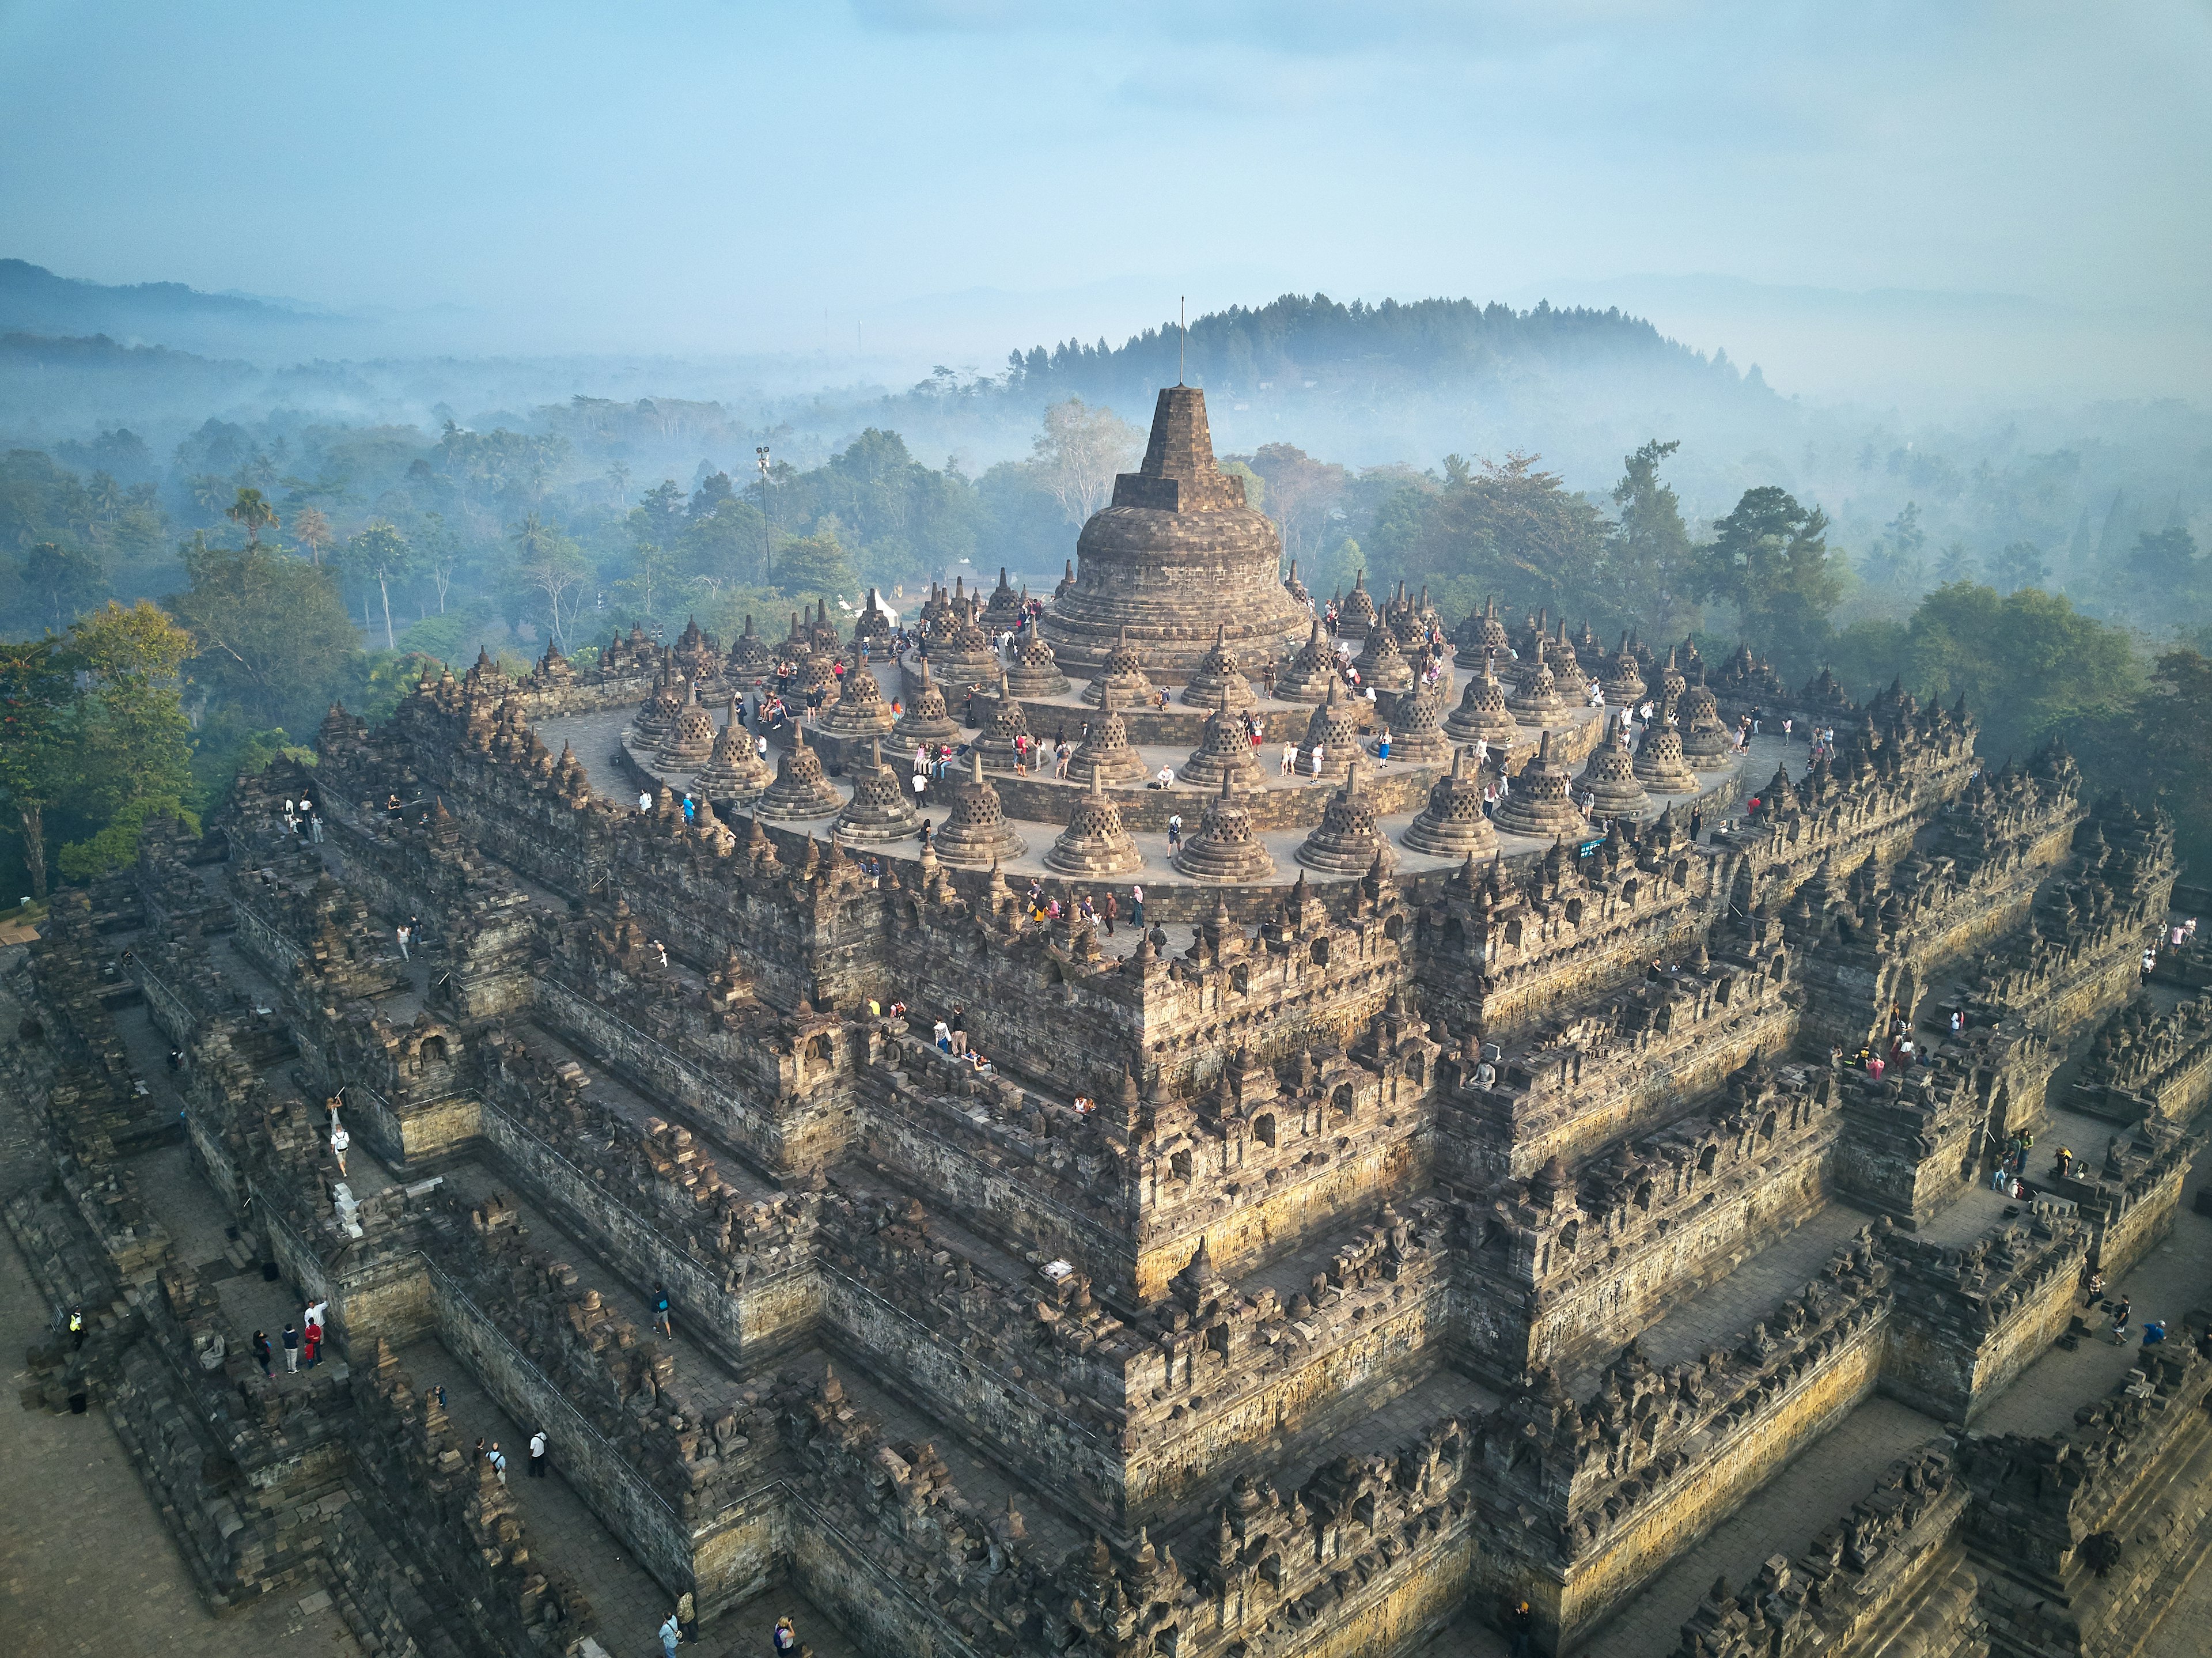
1223,754
1121,674
1106,751
1309,674
1539,802
1452,824
1217,676
1537,701
1224,848
1608,784
1483,633
657,718
691,740
1706,744
996,739
926,719
1094,843
860,710
749,660
1346,842
1380,662
1178,549
1417,734
1034,672
1624,678
1481,716
1355,611
880,808
801,788
734,770
977,834
1335,729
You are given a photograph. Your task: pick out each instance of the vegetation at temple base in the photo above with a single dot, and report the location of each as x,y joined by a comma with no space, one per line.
96,741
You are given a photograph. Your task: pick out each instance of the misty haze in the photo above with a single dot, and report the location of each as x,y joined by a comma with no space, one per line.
1223,829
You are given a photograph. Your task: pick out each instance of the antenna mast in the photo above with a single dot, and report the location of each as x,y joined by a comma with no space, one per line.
1182,329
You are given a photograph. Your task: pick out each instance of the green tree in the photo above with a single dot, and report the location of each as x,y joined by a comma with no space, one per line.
378,552
252,513
2020,564
2159,747
66,578
1302,492
1770,559
725,547
38,756
660,515
814,566
1651,562
1503,526
310,528
2027,663
1078,452
550,576
134,743
2169,578
270,633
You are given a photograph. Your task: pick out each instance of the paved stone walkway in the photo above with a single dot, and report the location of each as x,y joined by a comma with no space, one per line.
1717,1315
564,1532
1817,1488
2185,1631
87,1565
596,736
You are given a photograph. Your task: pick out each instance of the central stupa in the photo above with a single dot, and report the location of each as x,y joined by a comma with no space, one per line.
1174,559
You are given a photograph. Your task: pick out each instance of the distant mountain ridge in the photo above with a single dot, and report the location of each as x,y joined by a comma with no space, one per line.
35,300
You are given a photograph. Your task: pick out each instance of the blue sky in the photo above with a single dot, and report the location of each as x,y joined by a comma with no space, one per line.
671,174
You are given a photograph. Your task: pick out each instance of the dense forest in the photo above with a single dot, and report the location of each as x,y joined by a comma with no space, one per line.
190,598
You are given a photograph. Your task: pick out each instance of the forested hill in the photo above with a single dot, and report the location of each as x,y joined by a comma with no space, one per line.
34,300
1395,381
1312,343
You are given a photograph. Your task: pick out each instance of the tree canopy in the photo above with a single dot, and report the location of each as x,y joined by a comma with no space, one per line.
267,630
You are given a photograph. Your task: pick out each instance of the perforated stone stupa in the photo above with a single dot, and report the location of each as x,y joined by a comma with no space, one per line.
1453,823
1224,848
1608,785
1218,676
1311,672
734,770
1347,841
880,808
802,788
1539,801
926,719
1106,751
1224,753
1481,715
977,834
1094,844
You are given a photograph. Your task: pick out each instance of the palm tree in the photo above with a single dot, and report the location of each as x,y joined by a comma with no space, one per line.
252,512
207,492
531,538
313,530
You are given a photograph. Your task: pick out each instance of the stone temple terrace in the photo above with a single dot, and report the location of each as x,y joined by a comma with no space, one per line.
1552,1168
